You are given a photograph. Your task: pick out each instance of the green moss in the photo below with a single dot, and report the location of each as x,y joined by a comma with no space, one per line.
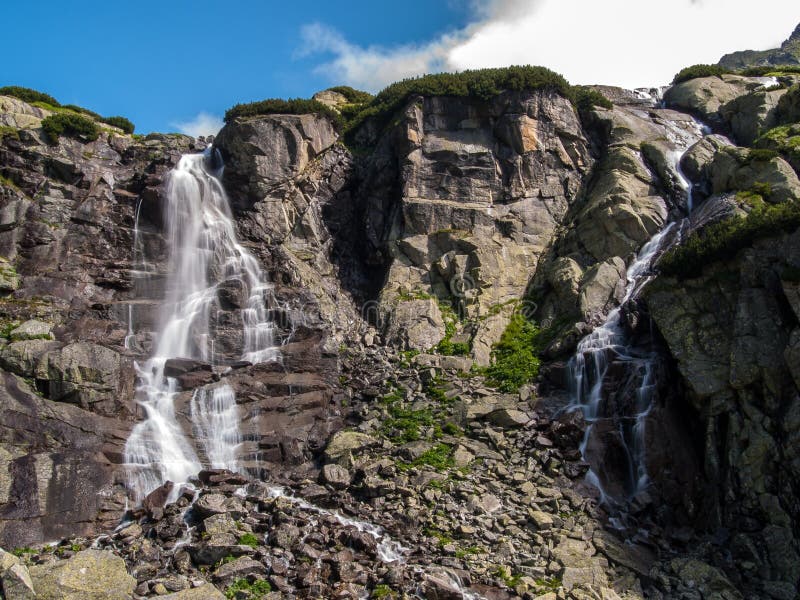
515,358
383,591
549,583
698,71
28,95
248,539
760,155
22,551
71,125
255,590
725,239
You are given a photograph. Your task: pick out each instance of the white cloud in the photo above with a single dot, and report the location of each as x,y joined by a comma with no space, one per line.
629,43
202,125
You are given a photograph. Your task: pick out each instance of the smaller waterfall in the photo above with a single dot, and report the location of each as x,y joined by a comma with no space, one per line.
609,344
215,421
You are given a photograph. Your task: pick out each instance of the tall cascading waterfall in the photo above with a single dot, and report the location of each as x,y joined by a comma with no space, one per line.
203,253
609,343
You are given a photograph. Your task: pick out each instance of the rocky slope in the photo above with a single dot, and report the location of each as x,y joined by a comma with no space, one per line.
787,54
438,228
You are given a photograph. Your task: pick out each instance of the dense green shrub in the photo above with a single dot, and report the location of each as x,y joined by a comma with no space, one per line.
28,95
70,124
125,124
515,358
293,106
769,71
83,111
723,240
353,95
483,84
586,98
697,71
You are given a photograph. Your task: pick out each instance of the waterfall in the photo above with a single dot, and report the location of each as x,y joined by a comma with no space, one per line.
203,253
609,343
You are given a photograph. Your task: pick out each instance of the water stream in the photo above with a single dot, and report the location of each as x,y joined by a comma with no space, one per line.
204,253
609,343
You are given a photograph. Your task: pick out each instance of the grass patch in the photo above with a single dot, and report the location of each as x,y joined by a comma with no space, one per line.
446,346
404,424
504,573
440,458
515,358
722,241
383,591
22,551
71,125
413,295
256,590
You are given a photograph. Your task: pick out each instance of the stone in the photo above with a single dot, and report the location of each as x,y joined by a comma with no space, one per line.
88,575
17,584
509,418
541,520
415,325
336,476
345,443
697,574
33,329
243,567
206,591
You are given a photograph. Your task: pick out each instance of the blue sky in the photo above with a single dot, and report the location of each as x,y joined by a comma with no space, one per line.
166,64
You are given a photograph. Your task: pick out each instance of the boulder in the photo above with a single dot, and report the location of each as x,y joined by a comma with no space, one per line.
415,325
345,443
33,329
17,584
205,591
89,575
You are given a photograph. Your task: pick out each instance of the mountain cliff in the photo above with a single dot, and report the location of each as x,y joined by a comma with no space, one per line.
436,265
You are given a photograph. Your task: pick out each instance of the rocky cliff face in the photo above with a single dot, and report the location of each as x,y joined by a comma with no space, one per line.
437,228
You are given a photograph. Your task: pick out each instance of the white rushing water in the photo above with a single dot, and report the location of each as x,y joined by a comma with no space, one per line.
203,253
609,343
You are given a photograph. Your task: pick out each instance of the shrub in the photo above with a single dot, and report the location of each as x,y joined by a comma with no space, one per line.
125,124
770,71
28,95
353,95
723,240
274,106
697,71
81,110
515,356
483,84
586,98
71,125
